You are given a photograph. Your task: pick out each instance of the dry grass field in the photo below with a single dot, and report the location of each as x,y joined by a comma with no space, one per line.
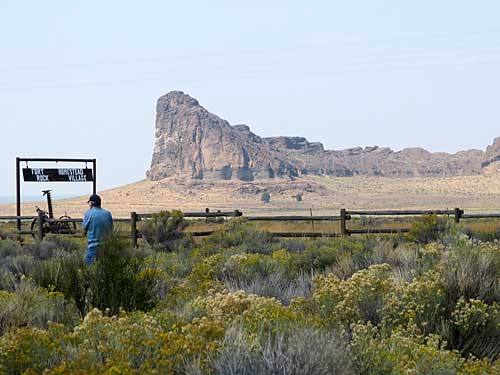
321,195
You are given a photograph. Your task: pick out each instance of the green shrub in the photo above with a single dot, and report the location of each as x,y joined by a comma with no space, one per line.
472,271
117,280
265,197
240,237
65,273
402,352
164,230
427,229
244,267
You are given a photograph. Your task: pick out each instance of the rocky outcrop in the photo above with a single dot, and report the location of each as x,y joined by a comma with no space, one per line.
194,143
492,153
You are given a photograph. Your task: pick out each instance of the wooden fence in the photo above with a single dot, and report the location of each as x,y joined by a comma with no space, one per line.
343,218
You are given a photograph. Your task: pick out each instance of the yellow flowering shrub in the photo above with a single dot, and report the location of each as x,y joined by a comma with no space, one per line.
430,254
282,256
421,302
439,318
198,282
336,301
477,328
135,343
474,316
408,352
253,311
30,349
247,266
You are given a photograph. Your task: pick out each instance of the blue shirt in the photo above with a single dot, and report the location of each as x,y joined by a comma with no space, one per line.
97,222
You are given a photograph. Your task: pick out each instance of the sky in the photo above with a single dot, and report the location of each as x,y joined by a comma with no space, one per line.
81,78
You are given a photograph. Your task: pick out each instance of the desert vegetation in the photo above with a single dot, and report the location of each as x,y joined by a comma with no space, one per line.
244,302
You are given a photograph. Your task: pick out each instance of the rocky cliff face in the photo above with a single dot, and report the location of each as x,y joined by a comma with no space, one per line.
194,143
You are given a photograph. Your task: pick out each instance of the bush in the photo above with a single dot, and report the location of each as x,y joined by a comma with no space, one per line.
472,271
243,302
265,197
337,302
116,279
164,230
421,303
292,245
245,267
240,237
67,274
402,352
52,245
7,280
476,329
21,264
295,351
29,350
274,285
30,305
9,248
427,229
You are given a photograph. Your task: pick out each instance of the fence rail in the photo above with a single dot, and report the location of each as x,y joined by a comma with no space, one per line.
343,217
481,216
10,218
401,212
292,218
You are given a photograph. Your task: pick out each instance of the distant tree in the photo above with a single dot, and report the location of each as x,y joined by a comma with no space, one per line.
298,197
266,197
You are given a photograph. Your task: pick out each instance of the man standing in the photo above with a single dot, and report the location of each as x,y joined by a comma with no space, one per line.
97,223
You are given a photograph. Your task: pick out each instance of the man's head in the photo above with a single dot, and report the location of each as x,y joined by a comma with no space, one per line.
94,200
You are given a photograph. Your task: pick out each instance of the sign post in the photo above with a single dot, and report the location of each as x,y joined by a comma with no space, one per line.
52,175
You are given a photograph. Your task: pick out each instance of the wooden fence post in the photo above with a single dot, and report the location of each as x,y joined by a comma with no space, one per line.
458,215
41,223
133,228
343,224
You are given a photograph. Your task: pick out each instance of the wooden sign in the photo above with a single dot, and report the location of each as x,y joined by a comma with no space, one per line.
58,175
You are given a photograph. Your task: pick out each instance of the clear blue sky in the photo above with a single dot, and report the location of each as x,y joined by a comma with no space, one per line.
81,78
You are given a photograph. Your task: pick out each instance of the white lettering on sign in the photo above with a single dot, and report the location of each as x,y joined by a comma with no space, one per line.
70,171
54,175
40,177
77,178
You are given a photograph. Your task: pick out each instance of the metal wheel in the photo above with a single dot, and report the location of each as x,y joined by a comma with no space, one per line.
34,228
67,227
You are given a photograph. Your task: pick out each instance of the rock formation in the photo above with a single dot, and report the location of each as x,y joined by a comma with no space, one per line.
194,143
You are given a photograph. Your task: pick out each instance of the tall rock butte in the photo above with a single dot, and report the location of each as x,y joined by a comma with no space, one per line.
194,143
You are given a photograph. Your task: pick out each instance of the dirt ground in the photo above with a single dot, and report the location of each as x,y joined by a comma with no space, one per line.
320,195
